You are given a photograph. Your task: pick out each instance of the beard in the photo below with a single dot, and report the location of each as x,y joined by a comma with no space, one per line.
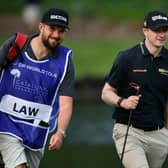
49,46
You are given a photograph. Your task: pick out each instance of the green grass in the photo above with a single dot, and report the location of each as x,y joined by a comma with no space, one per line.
14,7
127,9
95,57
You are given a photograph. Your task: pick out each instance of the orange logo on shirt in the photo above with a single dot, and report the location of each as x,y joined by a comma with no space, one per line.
139,70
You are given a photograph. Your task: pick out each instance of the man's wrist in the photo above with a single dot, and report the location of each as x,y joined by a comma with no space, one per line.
62,132
119,101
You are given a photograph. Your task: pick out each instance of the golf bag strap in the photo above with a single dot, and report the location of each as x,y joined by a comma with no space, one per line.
17,46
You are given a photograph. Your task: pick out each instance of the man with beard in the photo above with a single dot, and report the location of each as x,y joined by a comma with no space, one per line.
36,94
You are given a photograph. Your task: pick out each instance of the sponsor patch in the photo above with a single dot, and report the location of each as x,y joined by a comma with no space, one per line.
139,70
163,71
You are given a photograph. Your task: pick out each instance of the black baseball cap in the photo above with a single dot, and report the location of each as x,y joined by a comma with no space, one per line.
155,20
56,17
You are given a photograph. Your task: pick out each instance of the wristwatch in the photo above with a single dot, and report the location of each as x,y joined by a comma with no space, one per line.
119,101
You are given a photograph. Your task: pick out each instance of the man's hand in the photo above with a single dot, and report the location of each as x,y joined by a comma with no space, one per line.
55,142
130,103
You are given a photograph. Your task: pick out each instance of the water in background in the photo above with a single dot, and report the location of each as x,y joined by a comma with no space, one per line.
91,124
88,143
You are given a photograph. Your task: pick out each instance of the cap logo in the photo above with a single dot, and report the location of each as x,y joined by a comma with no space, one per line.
58,17
159,17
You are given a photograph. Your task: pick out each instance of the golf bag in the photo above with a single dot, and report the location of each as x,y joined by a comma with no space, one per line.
15,49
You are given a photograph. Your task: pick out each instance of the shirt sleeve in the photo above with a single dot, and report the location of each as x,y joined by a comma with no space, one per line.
118,72
4,49
67,86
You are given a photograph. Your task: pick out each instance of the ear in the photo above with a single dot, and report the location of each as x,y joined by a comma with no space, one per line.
41,25
144,30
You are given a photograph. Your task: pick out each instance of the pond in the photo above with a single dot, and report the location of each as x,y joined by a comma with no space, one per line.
91,124
88,143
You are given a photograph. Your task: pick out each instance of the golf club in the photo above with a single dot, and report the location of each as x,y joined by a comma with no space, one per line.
137,88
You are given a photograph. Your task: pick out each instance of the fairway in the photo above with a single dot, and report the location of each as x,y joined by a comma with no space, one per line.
94,57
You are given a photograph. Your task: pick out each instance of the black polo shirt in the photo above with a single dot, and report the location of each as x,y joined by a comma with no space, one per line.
151,74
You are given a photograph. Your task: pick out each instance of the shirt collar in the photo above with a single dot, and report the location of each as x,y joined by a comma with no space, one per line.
146,52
